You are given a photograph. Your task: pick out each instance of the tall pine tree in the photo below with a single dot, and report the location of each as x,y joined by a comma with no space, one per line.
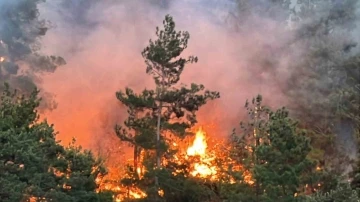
168,111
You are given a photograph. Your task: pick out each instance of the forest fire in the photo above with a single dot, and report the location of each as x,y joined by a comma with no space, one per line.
121,192
201,156
111,182
133,93
135,194
202,160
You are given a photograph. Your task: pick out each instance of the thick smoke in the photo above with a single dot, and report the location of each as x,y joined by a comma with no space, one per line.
102,42
21,60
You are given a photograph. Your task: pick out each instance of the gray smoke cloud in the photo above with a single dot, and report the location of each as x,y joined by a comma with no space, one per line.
21,60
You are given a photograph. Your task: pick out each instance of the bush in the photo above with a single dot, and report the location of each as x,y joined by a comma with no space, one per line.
340,194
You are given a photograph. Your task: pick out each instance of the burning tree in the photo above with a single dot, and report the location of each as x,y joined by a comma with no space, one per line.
157,116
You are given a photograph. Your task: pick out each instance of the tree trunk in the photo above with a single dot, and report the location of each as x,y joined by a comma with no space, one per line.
257,184
158,162
158,137
257,143
136,156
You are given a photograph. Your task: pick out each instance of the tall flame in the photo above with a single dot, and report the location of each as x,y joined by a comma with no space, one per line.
204,168
199,145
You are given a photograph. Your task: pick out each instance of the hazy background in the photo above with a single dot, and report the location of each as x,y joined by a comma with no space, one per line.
239,55
102,43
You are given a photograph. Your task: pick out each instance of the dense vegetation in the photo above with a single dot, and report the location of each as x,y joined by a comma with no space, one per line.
34,165
290,153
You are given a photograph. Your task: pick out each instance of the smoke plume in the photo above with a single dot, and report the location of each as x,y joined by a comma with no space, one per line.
21,60
102,41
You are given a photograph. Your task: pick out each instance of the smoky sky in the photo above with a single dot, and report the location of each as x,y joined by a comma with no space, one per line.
102,41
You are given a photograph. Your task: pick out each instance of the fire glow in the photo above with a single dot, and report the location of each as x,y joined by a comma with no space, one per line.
205,167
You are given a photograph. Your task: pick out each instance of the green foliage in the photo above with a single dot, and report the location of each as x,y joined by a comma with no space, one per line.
157,115
160,56
34,164
178,104
236,192
275,151
355,175
324,86
180,187
340,194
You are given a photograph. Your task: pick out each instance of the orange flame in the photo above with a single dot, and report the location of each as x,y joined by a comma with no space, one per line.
199,145
204,164
121,193
137,194
204,168
132,194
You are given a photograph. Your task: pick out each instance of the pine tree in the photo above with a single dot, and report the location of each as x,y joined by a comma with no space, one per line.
274,150
156,115
34,164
